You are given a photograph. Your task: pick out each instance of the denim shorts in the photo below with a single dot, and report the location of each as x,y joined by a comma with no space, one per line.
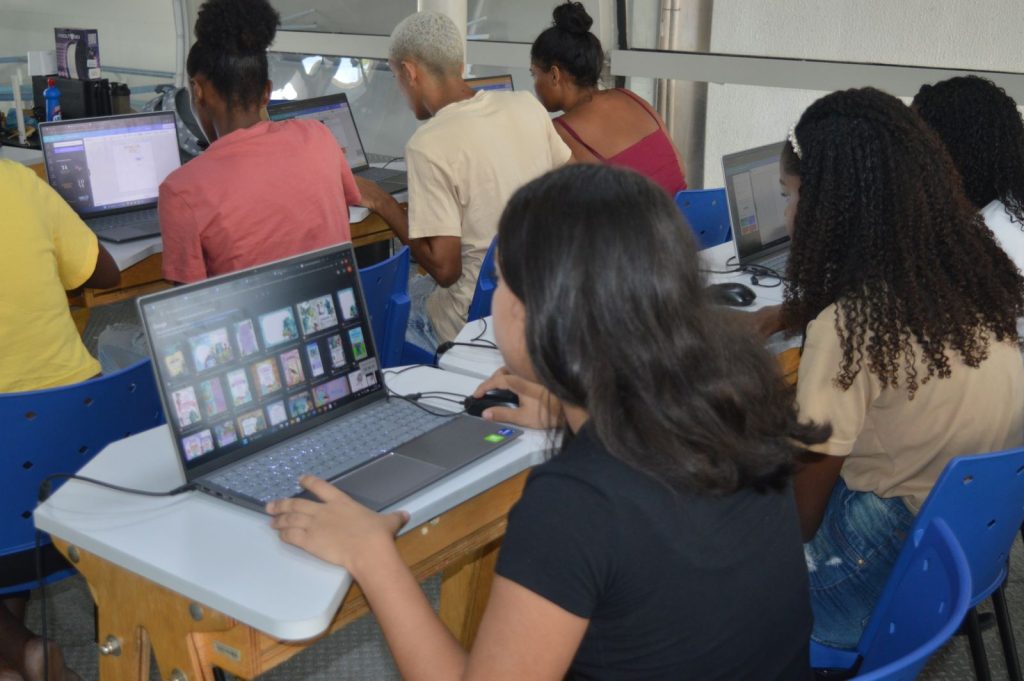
849,561
419,331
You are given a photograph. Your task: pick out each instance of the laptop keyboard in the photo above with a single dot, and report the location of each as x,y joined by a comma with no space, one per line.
328,451
132,219
382,174
776,263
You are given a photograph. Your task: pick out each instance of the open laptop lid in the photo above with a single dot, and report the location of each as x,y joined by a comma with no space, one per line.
500,83
249,359
111,164
335,112
756,206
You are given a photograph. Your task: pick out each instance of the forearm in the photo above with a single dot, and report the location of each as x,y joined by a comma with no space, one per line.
422,646
394,214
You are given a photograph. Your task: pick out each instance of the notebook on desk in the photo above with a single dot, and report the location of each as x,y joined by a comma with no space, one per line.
756,206
335,112
109,169
272,372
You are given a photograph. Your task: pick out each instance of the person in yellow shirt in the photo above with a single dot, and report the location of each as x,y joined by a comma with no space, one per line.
48,251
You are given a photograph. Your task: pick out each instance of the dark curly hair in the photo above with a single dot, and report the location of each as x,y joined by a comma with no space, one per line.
570,45
984,133
883,229
232,37
668,379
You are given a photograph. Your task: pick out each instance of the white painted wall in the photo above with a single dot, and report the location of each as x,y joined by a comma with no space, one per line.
979,34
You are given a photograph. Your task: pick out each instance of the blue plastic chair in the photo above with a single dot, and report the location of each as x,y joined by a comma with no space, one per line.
707,212
486,282
58,431
981,499
386,289
923,608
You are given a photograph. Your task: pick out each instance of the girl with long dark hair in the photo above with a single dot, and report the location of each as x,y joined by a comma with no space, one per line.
662,542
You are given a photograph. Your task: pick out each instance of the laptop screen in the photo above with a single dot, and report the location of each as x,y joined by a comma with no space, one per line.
249,359
756,206
502,83
333,111
111,163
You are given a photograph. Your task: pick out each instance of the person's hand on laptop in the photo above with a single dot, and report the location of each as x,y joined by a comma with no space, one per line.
337,529
538,408
373,197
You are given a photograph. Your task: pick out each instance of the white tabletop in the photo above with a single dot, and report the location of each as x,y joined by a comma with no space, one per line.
225,556
481,362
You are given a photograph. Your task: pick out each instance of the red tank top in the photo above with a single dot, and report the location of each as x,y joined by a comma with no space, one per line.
653,156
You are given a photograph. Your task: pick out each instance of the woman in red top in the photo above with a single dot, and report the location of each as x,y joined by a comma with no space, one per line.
600,126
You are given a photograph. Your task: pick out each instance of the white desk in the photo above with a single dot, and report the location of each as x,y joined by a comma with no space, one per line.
226,557
480,363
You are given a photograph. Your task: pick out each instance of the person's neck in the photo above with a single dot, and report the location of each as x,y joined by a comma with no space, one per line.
449,91
233,120
575,417
576,96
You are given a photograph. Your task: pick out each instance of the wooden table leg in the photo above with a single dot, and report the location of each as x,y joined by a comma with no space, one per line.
465,589
137,614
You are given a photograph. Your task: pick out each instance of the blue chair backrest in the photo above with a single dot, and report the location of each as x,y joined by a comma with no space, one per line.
480,306
707,212
981,498
58,431
386,289
923,608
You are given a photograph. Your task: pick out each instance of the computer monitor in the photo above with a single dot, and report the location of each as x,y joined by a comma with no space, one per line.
501,83
335,112
110,164
756,206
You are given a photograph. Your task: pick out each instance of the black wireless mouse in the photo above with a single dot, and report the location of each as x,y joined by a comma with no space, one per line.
475,406
731,293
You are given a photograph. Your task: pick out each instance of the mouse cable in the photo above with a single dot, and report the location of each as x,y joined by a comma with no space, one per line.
44,493
414,398
756,273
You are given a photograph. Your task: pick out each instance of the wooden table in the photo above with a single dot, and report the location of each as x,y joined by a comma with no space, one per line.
189,639
200,583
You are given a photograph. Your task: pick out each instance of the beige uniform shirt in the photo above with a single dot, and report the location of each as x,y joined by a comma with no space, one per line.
896,447
464,164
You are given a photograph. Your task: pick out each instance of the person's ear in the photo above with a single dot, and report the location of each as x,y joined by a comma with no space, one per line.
265,97
410,71
556,75
198,94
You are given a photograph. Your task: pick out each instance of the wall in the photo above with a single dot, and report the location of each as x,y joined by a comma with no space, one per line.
977,35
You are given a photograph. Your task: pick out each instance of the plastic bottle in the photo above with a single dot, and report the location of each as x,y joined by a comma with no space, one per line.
52,96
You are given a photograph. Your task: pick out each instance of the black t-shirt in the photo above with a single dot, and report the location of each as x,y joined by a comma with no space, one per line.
676,586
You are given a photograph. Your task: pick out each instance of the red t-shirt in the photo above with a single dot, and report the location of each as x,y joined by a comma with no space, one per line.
258,194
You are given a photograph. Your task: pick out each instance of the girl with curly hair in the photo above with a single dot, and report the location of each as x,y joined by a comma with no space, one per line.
263,190
911,350
982,129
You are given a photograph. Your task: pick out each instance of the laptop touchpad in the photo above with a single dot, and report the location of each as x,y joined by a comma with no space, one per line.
387,480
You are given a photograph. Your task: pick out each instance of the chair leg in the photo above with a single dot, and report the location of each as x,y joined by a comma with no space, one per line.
978,656
1006,634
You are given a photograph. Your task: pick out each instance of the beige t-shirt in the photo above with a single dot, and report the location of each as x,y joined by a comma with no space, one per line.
896,447
464,164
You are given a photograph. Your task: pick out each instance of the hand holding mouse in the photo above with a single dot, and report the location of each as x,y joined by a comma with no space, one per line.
538,408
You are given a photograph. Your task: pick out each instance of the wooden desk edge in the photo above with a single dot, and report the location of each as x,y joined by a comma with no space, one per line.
462,543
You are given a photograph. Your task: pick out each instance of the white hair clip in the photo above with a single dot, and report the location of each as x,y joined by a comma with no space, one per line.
796,145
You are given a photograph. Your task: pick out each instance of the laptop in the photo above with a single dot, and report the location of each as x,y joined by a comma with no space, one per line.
335,112
272,372
501,83
756,207
109,169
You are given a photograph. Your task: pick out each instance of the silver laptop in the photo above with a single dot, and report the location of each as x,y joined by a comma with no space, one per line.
109,169
335,112
756,207
272,372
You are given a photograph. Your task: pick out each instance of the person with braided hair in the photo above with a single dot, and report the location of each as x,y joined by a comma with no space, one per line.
911,350
982,129
263,190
